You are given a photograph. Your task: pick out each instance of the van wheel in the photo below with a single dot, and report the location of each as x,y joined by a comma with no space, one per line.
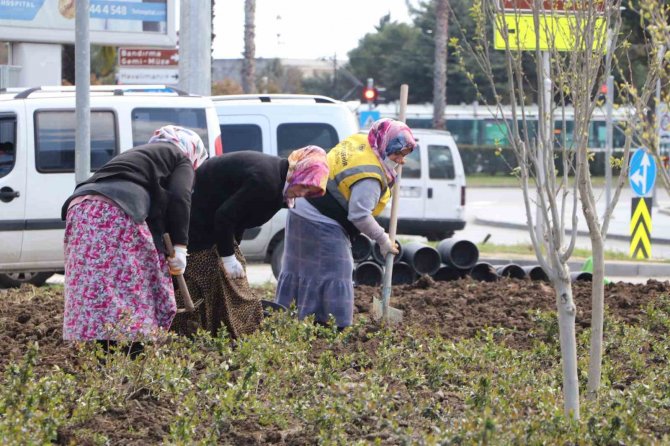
439,235
16,279
276,259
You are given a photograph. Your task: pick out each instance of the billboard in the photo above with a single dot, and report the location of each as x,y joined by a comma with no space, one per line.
112,22
552,5
555,33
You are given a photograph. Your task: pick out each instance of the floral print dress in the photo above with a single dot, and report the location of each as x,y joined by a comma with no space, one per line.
117,285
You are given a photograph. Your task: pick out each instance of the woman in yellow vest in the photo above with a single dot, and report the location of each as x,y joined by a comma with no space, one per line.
317,265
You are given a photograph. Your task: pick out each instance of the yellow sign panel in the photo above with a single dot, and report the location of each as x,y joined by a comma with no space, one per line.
557,32
640,228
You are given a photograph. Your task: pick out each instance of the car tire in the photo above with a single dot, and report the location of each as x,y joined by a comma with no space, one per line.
16,279
276,258
439,235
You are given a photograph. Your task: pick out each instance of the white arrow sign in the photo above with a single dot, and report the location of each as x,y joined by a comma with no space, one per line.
167,76
641,179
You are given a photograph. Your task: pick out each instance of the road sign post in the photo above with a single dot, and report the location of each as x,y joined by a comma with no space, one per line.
641,176
640,228
642,172
148,66
368,117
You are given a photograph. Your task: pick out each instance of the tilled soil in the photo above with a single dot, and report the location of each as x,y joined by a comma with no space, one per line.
451,309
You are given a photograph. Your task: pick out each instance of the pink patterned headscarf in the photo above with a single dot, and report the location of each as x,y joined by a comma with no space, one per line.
388,136
185,139
307,167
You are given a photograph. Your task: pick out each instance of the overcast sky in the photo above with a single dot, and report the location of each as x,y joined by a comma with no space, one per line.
301,29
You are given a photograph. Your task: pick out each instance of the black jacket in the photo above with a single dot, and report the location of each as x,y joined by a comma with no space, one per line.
160,169
234,192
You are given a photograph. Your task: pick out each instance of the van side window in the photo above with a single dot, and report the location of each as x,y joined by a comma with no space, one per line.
146,120
441,163
236,137
296,136
55,140
7,144
412,166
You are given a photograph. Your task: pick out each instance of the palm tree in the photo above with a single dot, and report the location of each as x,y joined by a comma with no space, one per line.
440,68
249,63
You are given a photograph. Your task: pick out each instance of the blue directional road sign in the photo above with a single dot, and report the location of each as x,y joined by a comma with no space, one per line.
642,172
367,117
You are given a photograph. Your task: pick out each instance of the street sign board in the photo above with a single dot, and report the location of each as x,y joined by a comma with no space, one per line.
551,5
115,23
167,76
368,117
664,124
640,228
148,57
556,32
642,172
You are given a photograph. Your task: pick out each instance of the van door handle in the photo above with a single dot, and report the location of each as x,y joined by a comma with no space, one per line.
430,192
7,194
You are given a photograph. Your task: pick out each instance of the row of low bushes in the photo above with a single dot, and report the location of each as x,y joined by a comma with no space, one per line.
495,161
299,383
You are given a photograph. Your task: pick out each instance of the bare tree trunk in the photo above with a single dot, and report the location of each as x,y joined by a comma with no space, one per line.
598,279
249,63
566,325
440,69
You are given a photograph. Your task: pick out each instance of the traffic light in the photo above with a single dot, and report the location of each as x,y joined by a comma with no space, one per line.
602,94
370,94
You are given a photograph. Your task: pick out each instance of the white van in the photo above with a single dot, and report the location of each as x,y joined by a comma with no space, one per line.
277,124
37,138
432,188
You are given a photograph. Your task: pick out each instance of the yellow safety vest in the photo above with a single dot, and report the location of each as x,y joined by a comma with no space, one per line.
353,160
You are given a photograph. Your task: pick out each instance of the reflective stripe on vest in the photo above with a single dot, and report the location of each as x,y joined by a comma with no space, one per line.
334,189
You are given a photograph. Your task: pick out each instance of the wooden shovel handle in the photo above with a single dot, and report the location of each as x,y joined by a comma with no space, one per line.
188,303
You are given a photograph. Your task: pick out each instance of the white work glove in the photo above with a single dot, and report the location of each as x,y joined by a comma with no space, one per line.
177,263
385,246
232,267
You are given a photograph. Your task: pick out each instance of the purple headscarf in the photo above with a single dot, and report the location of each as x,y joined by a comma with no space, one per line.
307,167
388,136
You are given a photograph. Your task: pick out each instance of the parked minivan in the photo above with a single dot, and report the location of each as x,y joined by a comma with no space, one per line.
37,139
277,124
432,188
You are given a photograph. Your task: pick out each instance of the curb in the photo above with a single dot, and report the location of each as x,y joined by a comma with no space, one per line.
504,224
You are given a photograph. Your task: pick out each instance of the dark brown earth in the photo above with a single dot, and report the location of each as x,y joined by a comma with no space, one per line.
451,309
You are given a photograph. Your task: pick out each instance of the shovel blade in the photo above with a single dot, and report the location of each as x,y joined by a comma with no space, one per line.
394,315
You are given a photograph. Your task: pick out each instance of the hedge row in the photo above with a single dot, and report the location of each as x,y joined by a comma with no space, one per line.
495,161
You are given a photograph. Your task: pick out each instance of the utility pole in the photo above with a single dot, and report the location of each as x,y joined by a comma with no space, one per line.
195,47
82,73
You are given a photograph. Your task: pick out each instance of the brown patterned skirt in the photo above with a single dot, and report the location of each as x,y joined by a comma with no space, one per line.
229,302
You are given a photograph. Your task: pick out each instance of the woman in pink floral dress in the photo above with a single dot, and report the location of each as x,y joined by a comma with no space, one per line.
117,279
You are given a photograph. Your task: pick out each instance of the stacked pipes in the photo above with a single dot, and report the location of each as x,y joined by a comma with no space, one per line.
452,259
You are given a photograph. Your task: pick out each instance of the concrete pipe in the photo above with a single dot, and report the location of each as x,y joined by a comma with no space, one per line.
448,273
461,254
423,258
484,272
361,248
403,274
377,256
535,272
368,273
581,276
511,270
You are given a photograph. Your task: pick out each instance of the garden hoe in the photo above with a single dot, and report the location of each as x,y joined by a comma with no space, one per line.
381,308
188,303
